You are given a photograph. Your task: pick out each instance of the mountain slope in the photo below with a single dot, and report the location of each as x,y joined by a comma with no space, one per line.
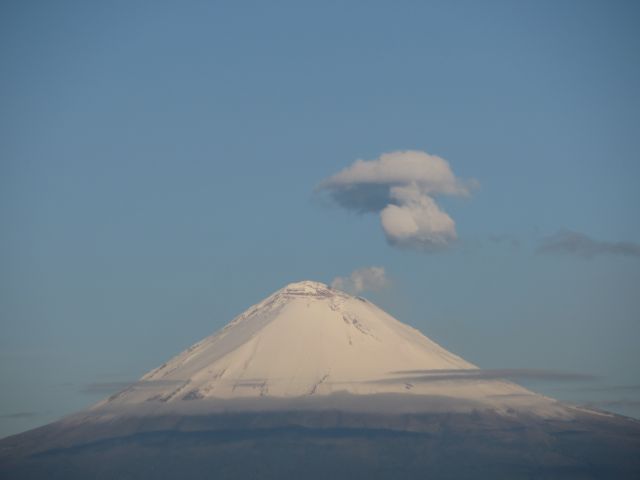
310,383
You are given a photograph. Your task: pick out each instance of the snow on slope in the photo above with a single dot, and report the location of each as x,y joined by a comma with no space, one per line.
308,339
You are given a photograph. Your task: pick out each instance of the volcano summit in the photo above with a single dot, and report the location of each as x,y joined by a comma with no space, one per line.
308,340
313,382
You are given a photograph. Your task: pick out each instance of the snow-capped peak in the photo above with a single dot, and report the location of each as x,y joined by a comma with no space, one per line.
309,288
308,339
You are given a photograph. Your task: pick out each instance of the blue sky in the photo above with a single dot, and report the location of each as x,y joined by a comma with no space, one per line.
159,162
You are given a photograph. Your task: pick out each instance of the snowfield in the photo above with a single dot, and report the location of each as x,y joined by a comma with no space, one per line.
308,339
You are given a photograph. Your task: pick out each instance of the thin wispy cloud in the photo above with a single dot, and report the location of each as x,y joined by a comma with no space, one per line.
603,388
106,388
517,374
569,242
19,415
363,279
402,186
614,403
505,239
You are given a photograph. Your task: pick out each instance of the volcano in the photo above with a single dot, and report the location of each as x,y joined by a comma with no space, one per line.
313,382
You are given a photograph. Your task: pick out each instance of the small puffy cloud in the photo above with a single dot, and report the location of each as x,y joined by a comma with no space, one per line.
401,187
416,221
576,243
370,278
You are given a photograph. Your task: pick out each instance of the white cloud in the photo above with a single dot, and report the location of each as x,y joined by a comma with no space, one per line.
430,172
417,222
370,278
401,186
